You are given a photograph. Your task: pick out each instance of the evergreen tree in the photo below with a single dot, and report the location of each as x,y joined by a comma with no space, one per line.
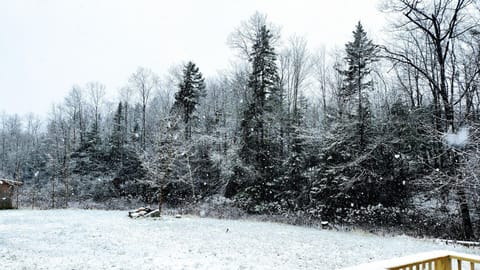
93,141
292,188
191,89
361,53
345,179
117,138
260,139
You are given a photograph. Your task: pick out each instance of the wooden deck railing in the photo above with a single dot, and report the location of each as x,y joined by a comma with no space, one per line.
436,260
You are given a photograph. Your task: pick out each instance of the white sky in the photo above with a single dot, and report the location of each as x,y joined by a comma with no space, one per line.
47,46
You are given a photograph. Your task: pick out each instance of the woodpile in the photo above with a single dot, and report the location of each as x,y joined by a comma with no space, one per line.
144,212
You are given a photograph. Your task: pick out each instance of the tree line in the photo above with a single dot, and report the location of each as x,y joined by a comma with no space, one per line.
371,134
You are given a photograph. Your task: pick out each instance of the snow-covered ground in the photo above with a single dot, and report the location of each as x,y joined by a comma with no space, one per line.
88,239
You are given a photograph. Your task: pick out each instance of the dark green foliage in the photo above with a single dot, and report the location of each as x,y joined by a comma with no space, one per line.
293,186
93,140
118,136
107,168
360,166
191,89
385,173
207,175
407,133
91,156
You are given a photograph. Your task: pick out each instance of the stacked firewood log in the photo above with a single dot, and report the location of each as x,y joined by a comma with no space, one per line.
143,212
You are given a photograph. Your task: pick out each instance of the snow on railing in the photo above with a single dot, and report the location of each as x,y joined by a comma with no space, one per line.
435,260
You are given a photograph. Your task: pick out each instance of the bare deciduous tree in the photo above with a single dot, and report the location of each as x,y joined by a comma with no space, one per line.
244,36
433,28
295,67
76,105
441,23
144,81
96,92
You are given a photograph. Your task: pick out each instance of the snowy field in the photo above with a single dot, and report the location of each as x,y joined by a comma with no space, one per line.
87,239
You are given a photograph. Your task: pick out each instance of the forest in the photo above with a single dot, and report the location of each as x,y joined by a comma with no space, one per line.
372,134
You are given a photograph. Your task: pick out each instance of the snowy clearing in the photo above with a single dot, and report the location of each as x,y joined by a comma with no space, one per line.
90,239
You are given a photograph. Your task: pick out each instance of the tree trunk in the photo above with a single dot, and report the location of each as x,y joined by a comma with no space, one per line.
33,194
65,171
462,197
191,177
160,200
144,123
360,111
53,192
18,191
465,212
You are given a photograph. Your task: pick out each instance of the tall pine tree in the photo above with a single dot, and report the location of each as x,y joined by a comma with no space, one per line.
260,146
345,178
117,139
361,53
191,89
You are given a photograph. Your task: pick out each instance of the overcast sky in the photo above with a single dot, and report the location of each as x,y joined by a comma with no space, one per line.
47,46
